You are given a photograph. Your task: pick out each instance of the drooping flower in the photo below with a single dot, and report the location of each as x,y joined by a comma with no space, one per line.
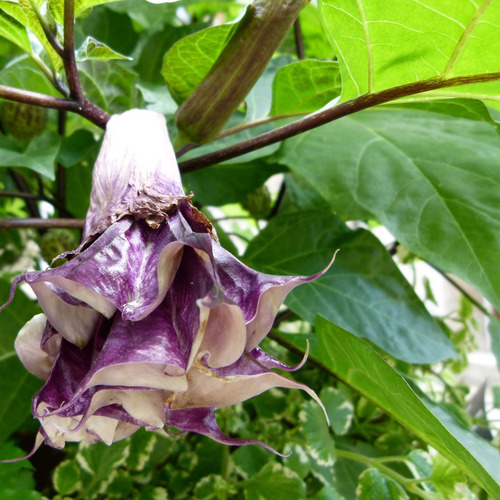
150,323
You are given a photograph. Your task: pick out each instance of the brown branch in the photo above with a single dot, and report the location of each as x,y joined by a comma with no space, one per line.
299,40
37,99
328,115
42,223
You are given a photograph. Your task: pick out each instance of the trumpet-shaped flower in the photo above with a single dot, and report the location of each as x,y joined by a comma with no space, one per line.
150,323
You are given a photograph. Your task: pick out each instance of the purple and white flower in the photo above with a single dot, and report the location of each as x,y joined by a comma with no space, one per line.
150,323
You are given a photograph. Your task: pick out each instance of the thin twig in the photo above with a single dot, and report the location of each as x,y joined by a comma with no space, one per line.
61,170
22,185
328,115
462,290
42,223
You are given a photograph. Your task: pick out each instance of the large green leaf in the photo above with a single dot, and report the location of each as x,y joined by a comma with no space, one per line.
363,290
17,385
24,74
23,12
188,62
429,174
14,31
305,86
362,368
385,44
38,156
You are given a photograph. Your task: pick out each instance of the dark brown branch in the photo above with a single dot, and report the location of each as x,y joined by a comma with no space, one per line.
42,223
299,40
321,118
37,99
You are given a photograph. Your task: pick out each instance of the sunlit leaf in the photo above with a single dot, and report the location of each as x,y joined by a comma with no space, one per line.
190,59
385,44
305,86
98,51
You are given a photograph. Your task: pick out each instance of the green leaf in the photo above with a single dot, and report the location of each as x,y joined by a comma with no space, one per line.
101,462
327,493
363,369
258,101
110,85
76,147
23,13
153,493
248,460
339,409
16,476
320,444
426,173
97,51
448,479
14,31
39,155
150,61
212,487
81,7
66,478
17,385
363,290
298,461
223,184
374,486
23,73
385,44
275,482
305,86
187,63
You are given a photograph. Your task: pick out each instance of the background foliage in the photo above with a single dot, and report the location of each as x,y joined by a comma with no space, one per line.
389,116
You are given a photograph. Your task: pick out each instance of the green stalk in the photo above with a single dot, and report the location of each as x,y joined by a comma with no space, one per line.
245,57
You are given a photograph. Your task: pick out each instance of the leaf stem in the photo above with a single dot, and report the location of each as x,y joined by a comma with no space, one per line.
462,290
408,483
37,99
328,115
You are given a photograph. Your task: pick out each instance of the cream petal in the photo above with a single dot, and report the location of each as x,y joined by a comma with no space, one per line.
37,361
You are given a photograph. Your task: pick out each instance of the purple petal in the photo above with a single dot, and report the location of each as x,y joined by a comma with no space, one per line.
202,421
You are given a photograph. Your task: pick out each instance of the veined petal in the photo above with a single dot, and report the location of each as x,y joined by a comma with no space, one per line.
136,172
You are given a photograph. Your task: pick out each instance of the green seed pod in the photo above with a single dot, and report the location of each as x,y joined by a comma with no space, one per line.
257,202
56,241
23,121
